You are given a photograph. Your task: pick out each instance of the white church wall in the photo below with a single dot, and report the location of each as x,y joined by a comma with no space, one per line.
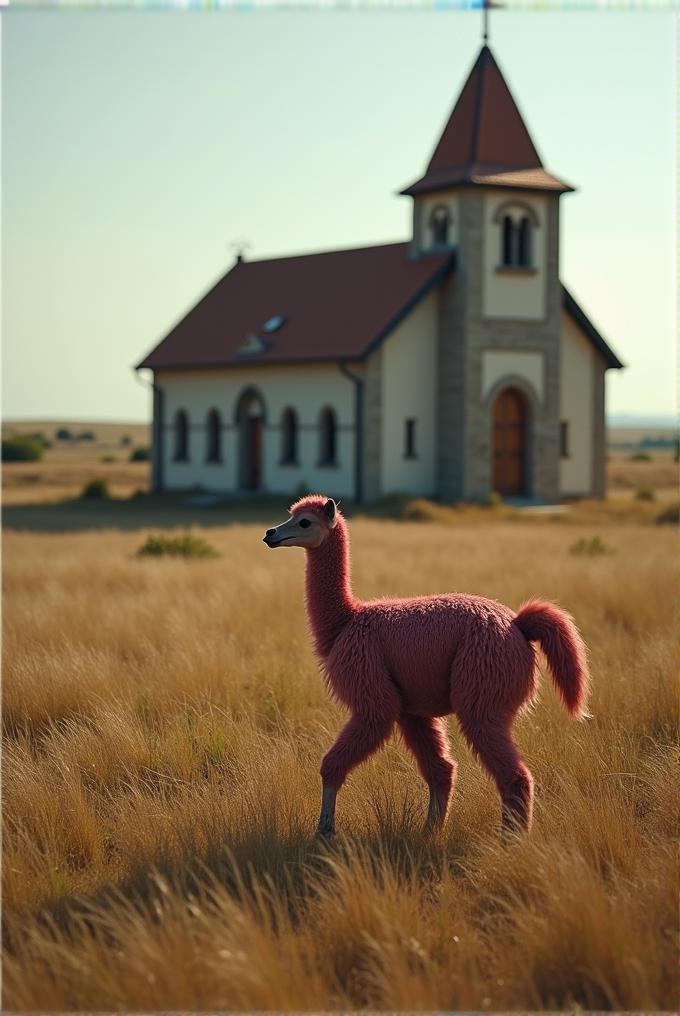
528,365
409,385
308,389
517,293
577,405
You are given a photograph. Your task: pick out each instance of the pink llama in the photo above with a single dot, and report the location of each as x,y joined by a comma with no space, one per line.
412,662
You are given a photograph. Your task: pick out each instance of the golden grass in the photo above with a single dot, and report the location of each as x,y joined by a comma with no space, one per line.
164,723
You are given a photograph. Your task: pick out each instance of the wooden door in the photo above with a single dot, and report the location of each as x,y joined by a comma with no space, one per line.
509,443
254,451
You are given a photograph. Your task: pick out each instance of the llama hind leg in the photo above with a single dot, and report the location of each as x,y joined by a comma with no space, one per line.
426,738
360,738
492,742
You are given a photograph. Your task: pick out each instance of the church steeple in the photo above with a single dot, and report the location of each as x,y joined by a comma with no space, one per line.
486,141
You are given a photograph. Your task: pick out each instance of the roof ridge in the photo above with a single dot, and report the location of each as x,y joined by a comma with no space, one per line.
319,253
479,98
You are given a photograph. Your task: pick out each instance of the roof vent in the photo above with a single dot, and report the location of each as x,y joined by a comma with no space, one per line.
274,323
252,345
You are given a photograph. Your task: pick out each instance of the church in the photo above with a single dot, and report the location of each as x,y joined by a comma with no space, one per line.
449,366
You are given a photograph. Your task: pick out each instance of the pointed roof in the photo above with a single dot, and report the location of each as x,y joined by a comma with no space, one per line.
486,141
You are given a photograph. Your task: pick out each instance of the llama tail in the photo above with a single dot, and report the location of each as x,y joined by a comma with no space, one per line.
564,649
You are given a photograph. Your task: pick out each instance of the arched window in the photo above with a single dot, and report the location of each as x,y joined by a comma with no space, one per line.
327,438
516,222
213,430
508,241
524,243
289,438
440,222
181,436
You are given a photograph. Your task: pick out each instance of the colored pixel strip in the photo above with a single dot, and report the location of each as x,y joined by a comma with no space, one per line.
366,5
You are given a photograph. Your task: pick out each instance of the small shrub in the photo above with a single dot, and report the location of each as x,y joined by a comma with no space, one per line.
669,515
645,494
86,435
421,510
63,434
594,547
176,546
108,458
96,489
494,499
126,441
21,449
140,455
640,457
40,439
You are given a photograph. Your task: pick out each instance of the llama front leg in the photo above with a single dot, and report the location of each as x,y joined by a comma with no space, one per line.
426,738
361,736
329,796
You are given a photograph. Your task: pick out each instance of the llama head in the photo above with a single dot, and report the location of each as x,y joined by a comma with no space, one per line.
312,518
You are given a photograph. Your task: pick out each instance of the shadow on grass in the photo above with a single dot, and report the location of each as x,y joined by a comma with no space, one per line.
175,510
143,511
259,865
170,510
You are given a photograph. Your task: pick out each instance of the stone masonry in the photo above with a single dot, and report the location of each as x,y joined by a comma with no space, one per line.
465,419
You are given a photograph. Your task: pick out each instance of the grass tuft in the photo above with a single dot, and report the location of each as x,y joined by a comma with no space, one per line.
186,545
593,547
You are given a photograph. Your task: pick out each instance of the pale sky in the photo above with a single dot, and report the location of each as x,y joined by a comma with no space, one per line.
138,145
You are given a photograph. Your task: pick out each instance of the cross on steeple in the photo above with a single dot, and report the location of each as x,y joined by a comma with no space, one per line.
485,5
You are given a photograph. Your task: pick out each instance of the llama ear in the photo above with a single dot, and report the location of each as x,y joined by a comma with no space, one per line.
329,510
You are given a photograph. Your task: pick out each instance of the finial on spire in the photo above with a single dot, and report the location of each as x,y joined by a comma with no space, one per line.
486,7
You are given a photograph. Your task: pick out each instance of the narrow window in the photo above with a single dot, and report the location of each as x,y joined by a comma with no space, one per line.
508,241
214,437
181,436
289,438
410,439
524,243
440,226
328,438
564,439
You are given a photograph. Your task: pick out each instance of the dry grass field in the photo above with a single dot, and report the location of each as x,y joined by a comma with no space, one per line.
68,465
164,722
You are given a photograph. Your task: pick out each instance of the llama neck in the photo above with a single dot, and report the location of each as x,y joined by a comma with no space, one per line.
330,603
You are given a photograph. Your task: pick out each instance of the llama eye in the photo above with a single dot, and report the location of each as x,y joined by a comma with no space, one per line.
305,523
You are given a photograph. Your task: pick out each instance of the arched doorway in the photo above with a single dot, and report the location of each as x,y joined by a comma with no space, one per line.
509,443
250,421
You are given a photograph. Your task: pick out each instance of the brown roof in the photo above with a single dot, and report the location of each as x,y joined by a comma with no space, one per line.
336,306
486,140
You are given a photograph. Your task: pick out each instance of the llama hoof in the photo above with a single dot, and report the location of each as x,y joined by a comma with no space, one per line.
513,826
325,833
437,811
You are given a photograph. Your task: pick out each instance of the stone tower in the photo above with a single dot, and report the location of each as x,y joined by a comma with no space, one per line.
486,196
